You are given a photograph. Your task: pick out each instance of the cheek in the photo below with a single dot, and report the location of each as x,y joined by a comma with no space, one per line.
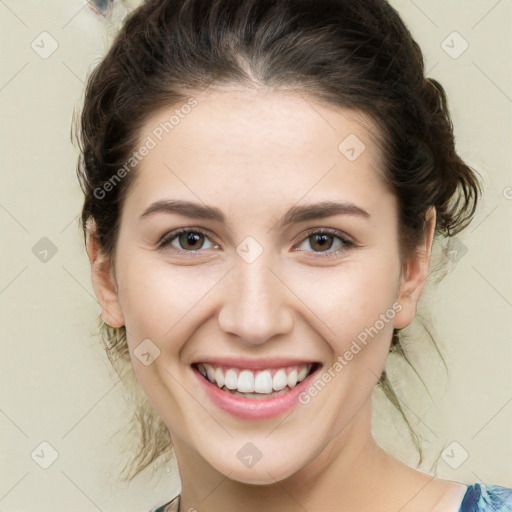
156,297
352,298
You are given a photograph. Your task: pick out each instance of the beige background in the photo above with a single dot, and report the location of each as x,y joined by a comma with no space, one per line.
56,385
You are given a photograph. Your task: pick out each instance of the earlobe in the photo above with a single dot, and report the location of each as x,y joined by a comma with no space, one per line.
103,281
414,275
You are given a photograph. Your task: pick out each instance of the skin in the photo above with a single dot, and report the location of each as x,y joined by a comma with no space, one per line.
253,153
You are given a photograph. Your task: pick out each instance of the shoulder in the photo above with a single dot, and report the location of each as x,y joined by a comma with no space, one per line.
487,498
172,506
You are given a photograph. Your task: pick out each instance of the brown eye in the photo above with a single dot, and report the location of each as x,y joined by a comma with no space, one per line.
186,240
325,243
190,240
321,241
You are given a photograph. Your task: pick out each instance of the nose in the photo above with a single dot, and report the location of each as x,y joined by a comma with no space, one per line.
255,304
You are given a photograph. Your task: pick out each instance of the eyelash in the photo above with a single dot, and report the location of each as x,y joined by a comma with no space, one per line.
165,241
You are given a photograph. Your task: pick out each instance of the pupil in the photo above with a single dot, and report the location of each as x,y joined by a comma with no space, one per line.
190,238
322,239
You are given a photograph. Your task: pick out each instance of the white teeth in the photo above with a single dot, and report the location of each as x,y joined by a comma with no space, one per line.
219,377
258,396
263,382
302,374
246,382
231,380
210,372
279,381
292,379
258,382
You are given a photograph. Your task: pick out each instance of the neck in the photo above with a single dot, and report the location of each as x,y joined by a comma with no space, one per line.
337,478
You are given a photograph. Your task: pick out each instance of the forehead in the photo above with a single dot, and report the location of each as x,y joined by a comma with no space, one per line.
248,146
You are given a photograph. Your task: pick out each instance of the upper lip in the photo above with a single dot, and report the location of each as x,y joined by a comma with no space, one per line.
255,364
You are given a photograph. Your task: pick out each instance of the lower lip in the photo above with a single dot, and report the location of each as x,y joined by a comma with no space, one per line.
254,408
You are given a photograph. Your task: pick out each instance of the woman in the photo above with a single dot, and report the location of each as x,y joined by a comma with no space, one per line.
263,183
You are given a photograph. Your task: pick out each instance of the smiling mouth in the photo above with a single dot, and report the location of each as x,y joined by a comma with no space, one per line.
255,384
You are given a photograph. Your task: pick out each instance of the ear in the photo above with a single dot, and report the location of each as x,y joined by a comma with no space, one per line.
414,274
103,280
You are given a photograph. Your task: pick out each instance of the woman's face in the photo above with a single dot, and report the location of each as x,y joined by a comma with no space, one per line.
266,289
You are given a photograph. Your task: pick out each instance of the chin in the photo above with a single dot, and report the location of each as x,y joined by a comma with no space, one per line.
262,476
262,472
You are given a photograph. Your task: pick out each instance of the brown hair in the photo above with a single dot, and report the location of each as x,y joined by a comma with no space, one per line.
355,54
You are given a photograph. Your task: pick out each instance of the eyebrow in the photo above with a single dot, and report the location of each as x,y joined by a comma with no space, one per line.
294,215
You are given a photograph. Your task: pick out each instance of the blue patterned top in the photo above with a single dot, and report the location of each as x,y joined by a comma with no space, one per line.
478,498
487,498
